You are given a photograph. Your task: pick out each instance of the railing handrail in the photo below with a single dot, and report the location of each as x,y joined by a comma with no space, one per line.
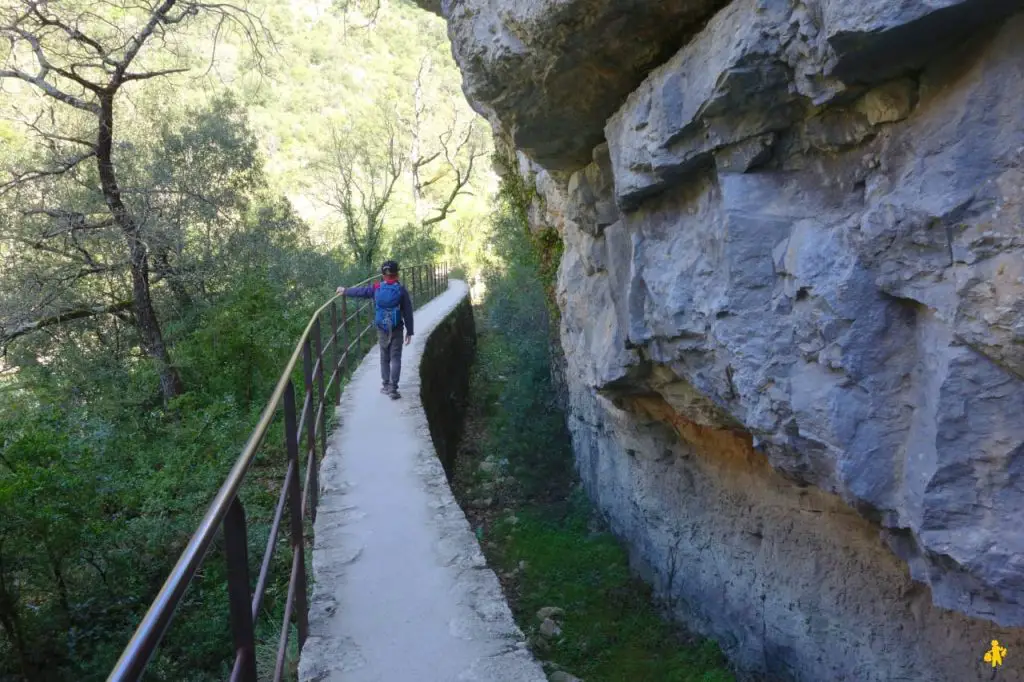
150,631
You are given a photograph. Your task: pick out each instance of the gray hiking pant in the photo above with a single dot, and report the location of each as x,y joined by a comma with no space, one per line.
390,356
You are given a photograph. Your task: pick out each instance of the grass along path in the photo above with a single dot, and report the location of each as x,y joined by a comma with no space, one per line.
515,479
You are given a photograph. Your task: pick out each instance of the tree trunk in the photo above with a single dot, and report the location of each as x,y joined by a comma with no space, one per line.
145,316
414,155
62,586
10,626
10,623
166,270
368,262
415,160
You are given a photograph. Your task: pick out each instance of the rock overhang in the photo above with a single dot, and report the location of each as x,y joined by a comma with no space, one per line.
549,73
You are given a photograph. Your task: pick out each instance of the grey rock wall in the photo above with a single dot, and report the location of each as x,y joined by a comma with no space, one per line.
861,312
792,583
792,300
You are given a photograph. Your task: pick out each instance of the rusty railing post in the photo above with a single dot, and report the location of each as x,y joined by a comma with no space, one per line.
236,550
371,315
321,389
336,344
345,336
307,373
359,327
295,508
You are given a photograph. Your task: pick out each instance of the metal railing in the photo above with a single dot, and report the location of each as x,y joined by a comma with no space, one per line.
306,430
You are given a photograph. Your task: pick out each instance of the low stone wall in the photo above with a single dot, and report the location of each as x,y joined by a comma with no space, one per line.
444,373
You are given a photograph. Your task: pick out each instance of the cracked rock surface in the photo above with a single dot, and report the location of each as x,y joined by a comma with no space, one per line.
401,589
791,305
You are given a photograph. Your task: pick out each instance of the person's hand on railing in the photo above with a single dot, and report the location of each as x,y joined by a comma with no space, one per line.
341,291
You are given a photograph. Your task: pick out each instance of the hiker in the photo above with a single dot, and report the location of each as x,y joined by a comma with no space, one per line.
393,314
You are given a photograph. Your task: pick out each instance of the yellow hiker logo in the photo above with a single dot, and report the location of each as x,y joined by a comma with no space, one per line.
996,654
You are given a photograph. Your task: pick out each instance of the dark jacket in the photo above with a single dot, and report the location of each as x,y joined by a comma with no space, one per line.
370,292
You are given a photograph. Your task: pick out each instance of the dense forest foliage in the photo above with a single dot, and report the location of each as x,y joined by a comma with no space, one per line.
181,183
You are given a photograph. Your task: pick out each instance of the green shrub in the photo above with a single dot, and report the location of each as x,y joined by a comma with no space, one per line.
101,485
539,528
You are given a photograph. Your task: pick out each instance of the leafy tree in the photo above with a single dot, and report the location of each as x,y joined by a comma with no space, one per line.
359,178
362,167
86,69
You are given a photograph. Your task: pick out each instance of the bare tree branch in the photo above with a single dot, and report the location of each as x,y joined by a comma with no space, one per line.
51,90
421,162
32,175
66,315
152,74
71,220
51,137
462,175
73,33
158,16
46,65
347,7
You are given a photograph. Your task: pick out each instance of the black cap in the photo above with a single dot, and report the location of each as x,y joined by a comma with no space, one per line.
389,266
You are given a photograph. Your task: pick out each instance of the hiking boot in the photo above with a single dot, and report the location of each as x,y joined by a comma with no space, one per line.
385,389
395,395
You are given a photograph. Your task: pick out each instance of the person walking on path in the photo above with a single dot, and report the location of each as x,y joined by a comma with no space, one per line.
393,316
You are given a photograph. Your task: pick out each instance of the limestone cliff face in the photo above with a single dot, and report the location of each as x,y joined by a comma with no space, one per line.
792,307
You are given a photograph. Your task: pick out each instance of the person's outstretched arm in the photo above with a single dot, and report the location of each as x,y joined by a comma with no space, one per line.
407,315
357,292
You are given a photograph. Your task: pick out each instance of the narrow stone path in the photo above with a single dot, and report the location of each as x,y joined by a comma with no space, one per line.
402,592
